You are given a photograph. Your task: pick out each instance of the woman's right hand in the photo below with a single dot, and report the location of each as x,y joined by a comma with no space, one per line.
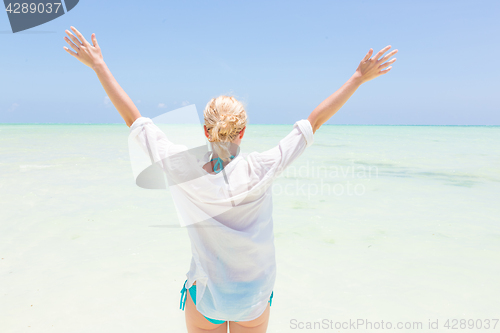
370,68
88,54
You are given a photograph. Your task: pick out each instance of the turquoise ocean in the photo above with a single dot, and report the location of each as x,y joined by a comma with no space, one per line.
399,224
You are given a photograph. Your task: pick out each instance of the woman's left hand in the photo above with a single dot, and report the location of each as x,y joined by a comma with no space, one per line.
87,53
370,68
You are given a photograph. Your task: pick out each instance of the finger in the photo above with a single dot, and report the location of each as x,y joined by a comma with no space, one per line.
379,54
73,46
71,52
94,41
84,41
387,63
367,56
385,71
388,55
73,38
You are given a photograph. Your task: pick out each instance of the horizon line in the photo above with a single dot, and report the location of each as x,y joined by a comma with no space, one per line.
255,124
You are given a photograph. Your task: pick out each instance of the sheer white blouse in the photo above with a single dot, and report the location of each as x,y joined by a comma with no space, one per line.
228,215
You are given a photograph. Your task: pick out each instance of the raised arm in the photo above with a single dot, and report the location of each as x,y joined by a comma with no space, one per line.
90,55
368,69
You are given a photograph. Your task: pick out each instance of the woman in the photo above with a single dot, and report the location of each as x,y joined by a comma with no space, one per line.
233,267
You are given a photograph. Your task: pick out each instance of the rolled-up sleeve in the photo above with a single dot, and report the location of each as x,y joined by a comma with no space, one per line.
148,147
274,161
306,129
151,139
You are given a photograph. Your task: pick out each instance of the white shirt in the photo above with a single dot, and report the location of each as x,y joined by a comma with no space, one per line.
228,215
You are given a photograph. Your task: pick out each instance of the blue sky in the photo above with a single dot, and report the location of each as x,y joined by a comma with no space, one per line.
282,58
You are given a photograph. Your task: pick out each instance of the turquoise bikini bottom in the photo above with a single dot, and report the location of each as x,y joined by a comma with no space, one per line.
192,292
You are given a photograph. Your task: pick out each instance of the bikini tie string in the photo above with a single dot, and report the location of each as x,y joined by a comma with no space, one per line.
218,165
183,296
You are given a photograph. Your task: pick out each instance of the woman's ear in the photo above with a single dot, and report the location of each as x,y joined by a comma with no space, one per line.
206,131
242,132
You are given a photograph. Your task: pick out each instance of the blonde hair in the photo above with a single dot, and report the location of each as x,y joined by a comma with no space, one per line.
225,117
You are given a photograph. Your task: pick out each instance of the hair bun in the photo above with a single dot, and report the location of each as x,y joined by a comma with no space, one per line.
228,118
226,121
224,117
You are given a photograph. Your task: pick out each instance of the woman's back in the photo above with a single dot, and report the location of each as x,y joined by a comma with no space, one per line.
228,216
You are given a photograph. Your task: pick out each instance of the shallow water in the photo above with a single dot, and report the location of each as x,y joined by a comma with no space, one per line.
392,223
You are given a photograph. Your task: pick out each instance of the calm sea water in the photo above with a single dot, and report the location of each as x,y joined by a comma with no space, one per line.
392,223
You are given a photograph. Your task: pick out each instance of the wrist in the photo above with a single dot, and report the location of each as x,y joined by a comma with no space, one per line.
99,65
357,78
